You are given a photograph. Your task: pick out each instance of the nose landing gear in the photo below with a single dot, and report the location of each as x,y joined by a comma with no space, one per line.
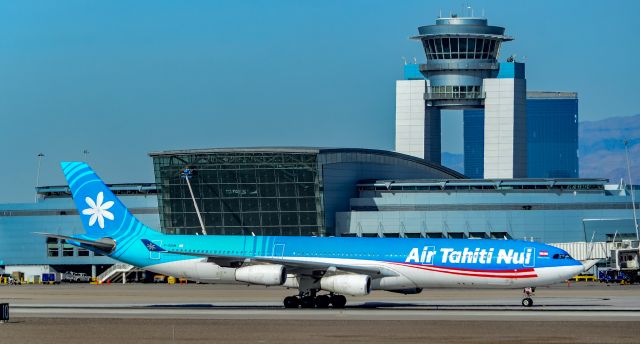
527,301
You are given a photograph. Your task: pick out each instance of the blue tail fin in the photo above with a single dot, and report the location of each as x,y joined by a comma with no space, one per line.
102,213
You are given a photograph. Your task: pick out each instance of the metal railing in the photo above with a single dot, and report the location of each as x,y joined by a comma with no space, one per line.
114,269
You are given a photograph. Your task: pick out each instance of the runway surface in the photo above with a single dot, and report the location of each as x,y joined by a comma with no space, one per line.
584,312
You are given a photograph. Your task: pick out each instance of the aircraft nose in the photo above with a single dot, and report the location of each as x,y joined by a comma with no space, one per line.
579,269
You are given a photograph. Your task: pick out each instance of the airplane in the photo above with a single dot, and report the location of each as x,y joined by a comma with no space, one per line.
322,269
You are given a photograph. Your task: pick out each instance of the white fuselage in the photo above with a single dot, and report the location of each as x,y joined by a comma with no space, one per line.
407,276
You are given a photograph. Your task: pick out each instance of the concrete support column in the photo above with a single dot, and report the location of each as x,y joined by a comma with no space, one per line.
93,271
505,128
410,117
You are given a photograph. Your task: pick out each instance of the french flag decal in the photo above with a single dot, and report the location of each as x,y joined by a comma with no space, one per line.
544,253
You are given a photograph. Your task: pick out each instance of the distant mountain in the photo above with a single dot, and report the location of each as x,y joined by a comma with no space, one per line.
601,148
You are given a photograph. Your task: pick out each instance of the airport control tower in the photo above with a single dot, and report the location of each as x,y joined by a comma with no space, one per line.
463,72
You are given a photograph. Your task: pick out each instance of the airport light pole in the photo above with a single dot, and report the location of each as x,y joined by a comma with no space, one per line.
633,196
40,156
187,173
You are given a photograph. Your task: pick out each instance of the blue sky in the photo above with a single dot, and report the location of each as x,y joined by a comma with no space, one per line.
123,78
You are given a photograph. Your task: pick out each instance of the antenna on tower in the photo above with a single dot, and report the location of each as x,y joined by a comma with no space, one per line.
440,15
483,13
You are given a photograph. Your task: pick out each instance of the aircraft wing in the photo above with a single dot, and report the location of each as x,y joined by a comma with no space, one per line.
292,265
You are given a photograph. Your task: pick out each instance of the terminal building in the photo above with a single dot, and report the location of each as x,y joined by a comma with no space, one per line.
543,210
273,191
324,192
55,212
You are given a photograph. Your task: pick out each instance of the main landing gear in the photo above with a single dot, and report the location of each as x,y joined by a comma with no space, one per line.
527,301
311,300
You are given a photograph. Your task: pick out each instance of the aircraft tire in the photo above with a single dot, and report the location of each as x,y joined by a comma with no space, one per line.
323,301
291,302
527,302
307,302
338,301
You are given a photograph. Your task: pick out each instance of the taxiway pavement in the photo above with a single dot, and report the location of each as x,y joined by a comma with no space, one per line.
584,312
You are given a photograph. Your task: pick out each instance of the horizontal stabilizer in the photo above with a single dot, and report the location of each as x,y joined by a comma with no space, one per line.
152,247
104,244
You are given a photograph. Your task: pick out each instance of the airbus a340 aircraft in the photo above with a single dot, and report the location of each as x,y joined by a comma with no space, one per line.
323,269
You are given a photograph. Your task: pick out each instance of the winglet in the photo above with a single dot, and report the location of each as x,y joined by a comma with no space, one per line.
152,247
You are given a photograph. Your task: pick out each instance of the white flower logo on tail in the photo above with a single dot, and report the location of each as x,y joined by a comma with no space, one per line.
98,210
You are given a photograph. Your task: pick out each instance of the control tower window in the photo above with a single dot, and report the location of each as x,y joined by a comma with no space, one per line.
492,48
432,47
454,48
463,48
496,50
438,43
427,50
485,49
445,48
479,43
471,47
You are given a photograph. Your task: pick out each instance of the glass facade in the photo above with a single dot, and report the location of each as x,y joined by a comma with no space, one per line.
240,193
272,191
552,137
473,143
454,92
447,48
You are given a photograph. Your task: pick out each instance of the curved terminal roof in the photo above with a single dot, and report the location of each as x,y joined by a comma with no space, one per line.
328,156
